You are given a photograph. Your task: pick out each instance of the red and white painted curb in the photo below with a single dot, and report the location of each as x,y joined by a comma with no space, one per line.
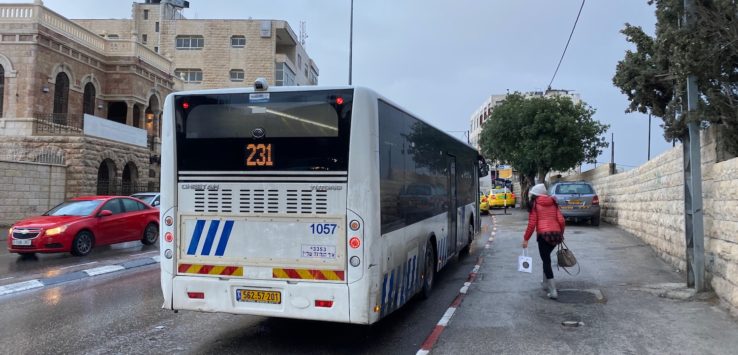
431,340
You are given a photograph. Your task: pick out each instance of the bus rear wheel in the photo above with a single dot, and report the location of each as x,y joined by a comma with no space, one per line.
429,272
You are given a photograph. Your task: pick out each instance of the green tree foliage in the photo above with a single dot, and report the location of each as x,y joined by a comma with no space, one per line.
539,134
654,75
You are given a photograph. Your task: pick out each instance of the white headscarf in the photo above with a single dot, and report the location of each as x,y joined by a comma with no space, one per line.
538,190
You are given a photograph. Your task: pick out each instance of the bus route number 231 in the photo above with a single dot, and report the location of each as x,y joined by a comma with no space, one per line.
323,228
259,155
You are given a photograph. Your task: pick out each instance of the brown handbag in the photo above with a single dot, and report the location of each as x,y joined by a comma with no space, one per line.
565,258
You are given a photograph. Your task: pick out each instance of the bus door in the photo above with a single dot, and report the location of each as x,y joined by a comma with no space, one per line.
451,242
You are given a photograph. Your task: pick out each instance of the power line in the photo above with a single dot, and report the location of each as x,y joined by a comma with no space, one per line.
567,45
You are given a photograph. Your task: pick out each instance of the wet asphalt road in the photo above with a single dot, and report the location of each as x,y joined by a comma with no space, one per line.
120,314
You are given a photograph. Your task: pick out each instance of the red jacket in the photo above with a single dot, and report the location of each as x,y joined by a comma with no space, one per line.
545,217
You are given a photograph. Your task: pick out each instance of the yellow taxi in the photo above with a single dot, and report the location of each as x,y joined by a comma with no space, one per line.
501,197
483,206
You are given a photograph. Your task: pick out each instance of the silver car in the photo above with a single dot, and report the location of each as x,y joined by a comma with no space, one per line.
577,201
152,198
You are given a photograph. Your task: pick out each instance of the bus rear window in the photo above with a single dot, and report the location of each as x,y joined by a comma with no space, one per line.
298,131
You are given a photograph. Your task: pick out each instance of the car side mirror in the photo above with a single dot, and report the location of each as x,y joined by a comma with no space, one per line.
105,213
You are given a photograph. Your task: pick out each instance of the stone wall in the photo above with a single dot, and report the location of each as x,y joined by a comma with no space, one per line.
649,203
28,189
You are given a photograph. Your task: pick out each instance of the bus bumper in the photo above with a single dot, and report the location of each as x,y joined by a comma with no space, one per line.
299,300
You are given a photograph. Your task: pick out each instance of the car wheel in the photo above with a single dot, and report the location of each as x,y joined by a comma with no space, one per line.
429,272
82,243
150,234
470,236
596,221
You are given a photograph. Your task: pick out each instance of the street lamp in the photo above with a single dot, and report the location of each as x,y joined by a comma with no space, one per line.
351,39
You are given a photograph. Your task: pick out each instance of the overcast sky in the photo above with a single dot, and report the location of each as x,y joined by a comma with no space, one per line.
441,59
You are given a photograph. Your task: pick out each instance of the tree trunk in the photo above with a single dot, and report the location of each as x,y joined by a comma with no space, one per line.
526,182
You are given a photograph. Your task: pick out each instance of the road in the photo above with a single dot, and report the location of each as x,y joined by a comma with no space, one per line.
120,313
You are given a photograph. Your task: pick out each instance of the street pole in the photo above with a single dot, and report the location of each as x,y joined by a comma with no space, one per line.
351,40
649,135
693,214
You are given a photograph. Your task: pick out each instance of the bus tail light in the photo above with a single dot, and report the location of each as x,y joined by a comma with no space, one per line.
168,237
196,295
323,303
355,242
355,225
355,261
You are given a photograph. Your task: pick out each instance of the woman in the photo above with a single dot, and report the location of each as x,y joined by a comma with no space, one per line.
546,219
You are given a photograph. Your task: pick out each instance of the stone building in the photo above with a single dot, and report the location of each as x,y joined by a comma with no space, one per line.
85,96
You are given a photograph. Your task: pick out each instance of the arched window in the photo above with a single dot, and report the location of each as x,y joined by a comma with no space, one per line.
88,105
2,89
61,98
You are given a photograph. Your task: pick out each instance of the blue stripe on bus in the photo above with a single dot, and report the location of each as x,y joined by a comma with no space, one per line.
409,285
415,271
192,249
391,290
384,294
224,238
401,285
211,236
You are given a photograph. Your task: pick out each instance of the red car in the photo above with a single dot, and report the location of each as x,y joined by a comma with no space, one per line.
81,223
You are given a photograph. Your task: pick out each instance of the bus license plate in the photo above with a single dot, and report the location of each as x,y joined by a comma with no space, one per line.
258,296
24,242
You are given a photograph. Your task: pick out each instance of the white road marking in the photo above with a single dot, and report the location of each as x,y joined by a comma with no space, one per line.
77,265
6,278
422,352
157,258
447,316
20,286
464,289
475,269
146,253
103,270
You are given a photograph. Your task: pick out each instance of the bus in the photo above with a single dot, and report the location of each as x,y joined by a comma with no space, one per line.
319,203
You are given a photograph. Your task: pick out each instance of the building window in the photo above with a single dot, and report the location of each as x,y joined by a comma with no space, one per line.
190,42
156,27
146,14
2,89
61,98
113,36
192,76
144,38
284,76
236,74
88,101
299,61
238,41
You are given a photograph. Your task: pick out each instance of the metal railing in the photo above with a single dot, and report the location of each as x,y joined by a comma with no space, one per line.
58,123
106,187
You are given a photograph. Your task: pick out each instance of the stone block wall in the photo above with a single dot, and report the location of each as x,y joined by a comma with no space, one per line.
648,202
28,189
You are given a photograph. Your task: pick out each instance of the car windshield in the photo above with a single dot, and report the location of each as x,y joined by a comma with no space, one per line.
74,208
500,191
572,189
148,198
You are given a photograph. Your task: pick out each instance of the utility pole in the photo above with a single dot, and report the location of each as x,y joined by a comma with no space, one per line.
351,40
693,214
649,135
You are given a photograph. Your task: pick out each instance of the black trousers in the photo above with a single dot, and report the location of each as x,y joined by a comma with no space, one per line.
545,249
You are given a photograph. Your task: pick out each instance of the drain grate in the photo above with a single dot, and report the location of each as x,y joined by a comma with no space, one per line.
573,296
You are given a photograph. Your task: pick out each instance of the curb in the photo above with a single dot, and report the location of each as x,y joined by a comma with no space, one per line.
432,338
77,275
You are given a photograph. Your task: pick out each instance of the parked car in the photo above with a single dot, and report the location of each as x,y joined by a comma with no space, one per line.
577,200
502,197
82,223
483,206
152,198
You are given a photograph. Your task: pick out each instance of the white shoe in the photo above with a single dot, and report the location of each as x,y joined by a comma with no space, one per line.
552,292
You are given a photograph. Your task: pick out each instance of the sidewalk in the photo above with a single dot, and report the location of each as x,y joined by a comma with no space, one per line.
624,301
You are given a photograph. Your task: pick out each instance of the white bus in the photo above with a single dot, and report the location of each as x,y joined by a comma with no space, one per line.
314,203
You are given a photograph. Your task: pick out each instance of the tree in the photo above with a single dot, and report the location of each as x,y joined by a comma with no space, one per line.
654,75
538,134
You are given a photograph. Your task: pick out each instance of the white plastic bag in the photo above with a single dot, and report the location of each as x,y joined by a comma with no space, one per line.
525,262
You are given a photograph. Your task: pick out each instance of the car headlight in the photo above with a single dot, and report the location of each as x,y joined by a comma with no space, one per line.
57,230
10,231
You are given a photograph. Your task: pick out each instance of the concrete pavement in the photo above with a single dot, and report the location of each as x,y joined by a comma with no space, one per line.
624,301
